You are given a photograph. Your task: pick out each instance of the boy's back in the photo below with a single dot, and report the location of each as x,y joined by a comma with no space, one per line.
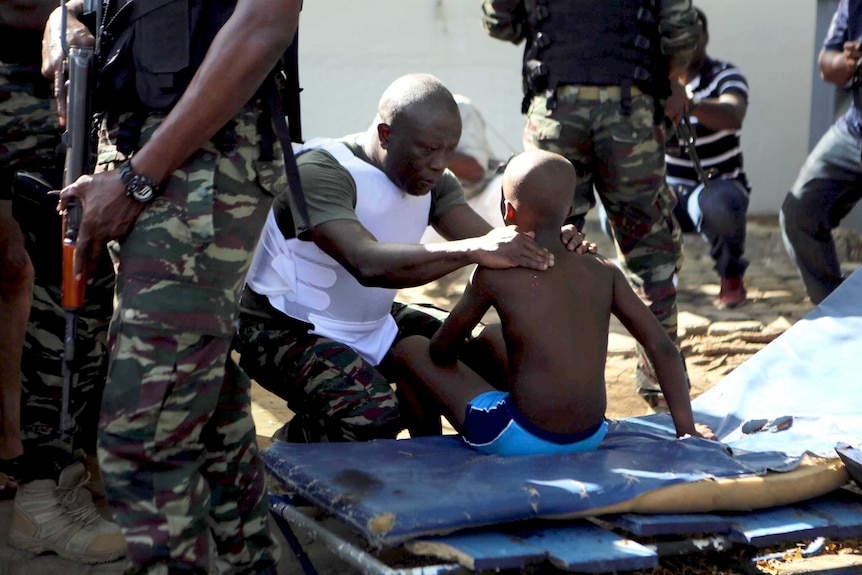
555,324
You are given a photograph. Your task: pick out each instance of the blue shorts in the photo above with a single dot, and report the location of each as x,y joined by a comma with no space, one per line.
494,425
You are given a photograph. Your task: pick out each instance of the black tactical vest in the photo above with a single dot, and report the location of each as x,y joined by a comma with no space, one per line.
149,50
608,43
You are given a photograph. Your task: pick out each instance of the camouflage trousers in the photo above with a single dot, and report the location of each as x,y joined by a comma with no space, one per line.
29,129
41,366
621,156
335,394
177,443
30,142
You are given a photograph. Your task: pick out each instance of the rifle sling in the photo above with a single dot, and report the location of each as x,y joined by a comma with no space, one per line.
290,166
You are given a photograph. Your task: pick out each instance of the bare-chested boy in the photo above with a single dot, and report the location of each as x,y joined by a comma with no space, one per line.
555,324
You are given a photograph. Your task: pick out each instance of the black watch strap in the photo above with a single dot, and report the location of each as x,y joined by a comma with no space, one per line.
139,188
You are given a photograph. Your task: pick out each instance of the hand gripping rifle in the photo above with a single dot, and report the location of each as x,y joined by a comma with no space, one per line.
79,143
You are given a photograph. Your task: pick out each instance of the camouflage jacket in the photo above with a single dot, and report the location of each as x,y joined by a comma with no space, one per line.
678,26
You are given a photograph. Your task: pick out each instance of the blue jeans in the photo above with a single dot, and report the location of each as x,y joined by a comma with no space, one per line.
717,213
828,186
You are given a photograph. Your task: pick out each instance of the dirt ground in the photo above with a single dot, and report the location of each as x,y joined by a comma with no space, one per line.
714,342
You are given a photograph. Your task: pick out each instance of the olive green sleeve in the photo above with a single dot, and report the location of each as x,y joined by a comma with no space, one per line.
447,194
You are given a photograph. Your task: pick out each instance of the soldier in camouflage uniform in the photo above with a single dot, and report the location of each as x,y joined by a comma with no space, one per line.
52,510
28,137
16,283
597,93
177,444
31,144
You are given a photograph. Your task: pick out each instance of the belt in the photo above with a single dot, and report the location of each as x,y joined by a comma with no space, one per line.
596,92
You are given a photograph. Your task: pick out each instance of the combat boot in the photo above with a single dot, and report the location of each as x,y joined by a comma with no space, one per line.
61,517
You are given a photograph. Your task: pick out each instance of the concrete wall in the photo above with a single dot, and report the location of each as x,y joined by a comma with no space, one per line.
350,51
773,43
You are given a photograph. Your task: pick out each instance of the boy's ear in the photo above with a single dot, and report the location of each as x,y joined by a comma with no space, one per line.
508,210
383,132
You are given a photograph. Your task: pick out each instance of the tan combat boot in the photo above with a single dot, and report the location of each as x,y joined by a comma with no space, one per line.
61,517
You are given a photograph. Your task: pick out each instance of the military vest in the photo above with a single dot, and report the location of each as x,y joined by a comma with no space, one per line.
304,282
149,50
609,43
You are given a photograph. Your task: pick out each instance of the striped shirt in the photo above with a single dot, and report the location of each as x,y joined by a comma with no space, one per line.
720,153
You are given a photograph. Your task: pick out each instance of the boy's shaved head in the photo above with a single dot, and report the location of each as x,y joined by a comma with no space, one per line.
542,183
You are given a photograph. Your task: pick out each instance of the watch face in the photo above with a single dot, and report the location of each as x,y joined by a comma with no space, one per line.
144,193
139,188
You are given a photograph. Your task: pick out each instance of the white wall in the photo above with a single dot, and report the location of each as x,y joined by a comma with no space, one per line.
772,42
351,50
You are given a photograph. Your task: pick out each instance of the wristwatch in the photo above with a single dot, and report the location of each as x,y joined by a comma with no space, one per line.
139,188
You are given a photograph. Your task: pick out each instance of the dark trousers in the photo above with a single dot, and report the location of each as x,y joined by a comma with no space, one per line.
717,213
828,186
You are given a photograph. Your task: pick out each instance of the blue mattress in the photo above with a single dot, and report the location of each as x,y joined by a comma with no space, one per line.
395,490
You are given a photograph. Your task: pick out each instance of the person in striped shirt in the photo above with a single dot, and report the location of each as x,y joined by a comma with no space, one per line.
718,99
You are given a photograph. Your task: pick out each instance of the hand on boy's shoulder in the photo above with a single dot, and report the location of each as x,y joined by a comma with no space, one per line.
575,241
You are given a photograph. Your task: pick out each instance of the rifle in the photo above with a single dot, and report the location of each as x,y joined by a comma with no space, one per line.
79,143
688,137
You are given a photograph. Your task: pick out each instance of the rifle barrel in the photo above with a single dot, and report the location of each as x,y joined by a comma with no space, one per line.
77,139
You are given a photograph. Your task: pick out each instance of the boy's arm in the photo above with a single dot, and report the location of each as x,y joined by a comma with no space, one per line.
662,352
468,312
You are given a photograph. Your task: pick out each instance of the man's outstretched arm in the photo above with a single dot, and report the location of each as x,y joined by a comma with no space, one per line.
838,66
396,265
725,112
